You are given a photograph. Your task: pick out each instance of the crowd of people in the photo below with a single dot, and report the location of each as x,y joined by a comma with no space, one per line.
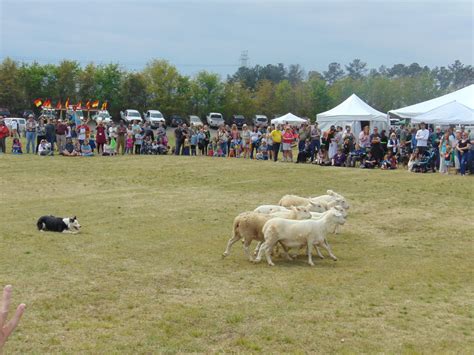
418,148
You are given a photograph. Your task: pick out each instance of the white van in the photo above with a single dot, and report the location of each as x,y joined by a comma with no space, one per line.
154,117
215,119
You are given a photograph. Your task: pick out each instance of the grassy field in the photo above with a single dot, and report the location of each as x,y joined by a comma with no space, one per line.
146,273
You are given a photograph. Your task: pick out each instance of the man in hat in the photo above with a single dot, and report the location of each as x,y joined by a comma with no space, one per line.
4,133
422,136
31,134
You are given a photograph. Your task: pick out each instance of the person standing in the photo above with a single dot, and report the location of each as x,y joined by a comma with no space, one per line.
315,140
471,153
444,153
462,149
303,134
121,132
14,129
364,139
287,140
30,134
100,137
51,133
422,136
178,136
4,133
61,130
276,138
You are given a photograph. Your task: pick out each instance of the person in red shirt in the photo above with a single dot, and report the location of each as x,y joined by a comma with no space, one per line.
4,133
100,137
287,139
61,129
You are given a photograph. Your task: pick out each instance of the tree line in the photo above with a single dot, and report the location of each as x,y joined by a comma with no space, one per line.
270,90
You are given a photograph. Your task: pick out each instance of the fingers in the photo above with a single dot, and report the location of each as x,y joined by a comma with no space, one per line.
7,293
10,327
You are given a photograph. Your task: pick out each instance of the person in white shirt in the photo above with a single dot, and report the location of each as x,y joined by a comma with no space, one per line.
44,148
14,132
422,136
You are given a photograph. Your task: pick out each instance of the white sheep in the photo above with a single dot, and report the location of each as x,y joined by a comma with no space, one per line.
248,226
297,234
293,200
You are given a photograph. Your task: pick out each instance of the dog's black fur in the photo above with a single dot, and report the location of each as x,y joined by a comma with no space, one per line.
53,224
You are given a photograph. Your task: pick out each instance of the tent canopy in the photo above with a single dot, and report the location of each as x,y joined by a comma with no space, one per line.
289,118
463,96
350,113
450,113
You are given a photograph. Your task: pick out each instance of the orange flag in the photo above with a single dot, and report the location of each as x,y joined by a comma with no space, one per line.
79,105
104,105
88,104
59,106
38,102
95,104
47,103
66,104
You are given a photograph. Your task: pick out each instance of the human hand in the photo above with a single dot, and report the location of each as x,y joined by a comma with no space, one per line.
7,328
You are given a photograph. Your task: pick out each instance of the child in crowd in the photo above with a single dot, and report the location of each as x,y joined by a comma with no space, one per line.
262,152
356,155
138,143
339,158
109,147
147,146
415,158
186,146
323,158
369,162
389,161
129,144
194,141
86,149
44,148
238,147
16,146
92,141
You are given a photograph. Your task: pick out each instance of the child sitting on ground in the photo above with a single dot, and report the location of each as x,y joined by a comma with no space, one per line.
339,159
16,146
262,152
389,161
369,162
323,158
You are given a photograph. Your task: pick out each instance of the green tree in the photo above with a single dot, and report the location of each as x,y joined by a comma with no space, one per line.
237,99
10,89
334,73
108,80
284,98
133,92
207,92
87,83
162,80
356,69
67,74
264,98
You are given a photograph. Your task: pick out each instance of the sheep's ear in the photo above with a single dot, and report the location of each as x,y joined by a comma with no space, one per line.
330,192
294,208
313,203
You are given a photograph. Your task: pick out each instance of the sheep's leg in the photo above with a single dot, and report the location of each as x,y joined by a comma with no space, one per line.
268,249
310,253
257,248
285,251
231,241
246,249
319,252
260,252
328,248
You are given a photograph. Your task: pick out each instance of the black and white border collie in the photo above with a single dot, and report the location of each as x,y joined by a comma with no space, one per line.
57,224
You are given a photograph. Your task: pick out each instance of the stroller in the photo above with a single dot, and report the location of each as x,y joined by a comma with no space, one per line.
427,163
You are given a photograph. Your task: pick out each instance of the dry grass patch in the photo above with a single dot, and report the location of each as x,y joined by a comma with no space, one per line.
146,273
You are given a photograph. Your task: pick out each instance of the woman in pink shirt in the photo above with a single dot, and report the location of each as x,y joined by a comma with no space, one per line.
287,139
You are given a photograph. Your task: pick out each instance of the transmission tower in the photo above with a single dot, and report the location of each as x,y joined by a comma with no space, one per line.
244,58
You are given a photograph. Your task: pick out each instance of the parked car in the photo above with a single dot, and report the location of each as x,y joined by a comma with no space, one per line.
4,112
155,117
26,113
215,119
260,121
102,116
195,121
21,124
130,115
176,120
238,120
79,114
48,113
394,122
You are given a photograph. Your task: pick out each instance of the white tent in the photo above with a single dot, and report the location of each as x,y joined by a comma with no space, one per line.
450,113
289,118
352,112
464,96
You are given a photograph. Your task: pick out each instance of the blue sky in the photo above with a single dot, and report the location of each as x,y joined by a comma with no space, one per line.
210,35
